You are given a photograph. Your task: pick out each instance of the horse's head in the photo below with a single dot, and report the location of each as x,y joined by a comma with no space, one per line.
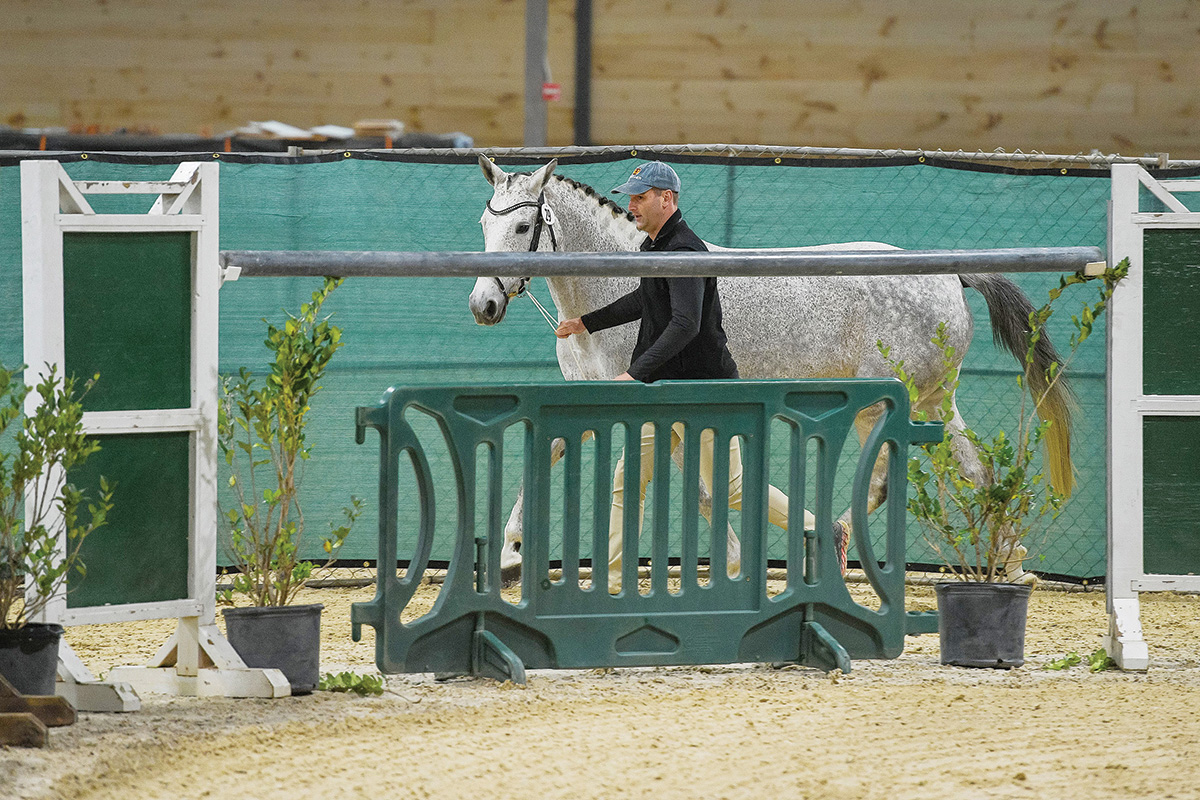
516,219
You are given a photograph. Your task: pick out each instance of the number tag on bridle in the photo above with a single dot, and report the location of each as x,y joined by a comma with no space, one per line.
547,214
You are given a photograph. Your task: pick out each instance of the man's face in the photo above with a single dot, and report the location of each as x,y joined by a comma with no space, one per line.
651,209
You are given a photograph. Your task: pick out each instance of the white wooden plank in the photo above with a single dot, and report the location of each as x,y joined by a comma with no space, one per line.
42,304
206,285
1124,641
131,612
1167,583
1166,220
129,223
70,199
1181,185
150,421
1171,201
1169,405
129,187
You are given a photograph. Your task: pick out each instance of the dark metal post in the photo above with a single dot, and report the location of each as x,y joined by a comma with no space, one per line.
536,38
583,73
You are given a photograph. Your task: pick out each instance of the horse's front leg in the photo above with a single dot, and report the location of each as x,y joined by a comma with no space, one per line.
510,554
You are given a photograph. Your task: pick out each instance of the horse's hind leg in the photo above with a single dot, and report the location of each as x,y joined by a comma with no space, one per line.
864,423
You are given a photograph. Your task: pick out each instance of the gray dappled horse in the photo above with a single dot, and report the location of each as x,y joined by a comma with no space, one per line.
778,327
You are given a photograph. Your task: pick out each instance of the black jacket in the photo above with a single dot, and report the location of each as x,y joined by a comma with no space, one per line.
680,334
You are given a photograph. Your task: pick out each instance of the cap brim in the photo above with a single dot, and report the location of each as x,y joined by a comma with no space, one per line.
632,186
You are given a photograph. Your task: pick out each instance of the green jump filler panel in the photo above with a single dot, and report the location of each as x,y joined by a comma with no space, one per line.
1171,303
141,555
563,622
127,316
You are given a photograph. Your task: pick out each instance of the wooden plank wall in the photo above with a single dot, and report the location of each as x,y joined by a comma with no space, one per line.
1061,77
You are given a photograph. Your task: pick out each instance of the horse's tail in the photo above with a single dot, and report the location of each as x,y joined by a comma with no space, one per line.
1009,310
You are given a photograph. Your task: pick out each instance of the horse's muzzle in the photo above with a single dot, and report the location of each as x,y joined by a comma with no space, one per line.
488,310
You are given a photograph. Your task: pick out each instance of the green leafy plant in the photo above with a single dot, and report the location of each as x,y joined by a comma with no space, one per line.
362,685
1071,659
261,435
36,559
976,527
1098,661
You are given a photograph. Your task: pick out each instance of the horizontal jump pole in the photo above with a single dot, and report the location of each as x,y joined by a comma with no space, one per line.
757,263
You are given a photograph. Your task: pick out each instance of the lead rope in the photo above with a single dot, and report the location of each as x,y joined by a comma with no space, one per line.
553,323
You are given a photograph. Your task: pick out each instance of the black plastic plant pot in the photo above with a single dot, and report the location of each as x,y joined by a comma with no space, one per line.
286,638
29,657
982,624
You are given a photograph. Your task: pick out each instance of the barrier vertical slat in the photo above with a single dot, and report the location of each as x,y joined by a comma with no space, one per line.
571,511
799,567
534,565
495,524
690,523
719,554
601,504
631,521
659,551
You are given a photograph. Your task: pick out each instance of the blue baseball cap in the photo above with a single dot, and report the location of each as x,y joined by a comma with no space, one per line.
651,175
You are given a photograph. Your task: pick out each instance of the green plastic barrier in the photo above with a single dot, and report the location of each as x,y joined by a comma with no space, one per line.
560,621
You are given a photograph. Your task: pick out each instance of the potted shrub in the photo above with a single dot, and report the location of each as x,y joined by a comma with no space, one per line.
36,558
978,528
261,434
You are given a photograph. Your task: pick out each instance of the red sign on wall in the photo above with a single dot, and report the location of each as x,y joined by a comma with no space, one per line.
551,91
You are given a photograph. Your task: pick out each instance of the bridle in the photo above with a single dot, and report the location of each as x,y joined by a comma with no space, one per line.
545,215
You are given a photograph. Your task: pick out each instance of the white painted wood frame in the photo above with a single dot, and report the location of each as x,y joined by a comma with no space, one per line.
197,659
1128,406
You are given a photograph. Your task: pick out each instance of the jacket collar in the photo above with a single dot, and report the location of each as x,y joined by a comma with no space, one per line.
666,232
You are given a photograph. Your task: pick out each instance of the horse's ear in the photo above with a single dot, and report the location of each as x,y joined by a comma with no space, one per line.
542,176
490,170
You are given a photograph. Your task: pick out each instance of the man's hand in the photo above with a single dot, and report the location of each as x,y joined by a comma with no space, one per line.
568,327
624,376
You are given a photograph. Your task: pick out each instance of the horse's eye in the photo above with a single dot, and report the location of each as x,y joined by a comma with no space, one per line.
523,227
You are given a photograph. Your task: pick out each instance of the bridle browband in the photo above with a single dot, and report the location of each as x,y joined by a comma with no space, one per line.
545,215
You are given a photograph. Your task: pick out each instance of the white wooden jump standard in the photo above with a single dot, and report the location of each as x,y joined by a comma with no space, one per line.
197,659
1128,407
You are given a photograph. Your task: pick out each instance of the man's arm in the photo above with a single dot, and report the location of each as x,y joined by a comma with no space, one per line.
620,311
687,305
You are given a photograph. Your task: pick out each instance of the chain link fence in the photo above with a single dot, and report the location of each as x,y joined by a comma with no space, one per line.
420,331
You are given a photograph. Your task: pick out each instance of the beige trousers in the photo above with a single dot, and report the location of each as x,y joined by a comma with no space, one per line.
778,501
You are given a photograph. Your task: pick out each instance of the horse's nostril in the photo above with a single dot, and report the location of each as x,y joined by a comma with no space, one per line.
490,310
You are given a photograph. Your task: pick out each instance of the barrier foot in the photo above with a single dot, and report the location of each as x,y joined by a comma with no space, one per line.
1124,641
918,622
492,658
198,661
79,687
22,729
25,719
819,649
245,682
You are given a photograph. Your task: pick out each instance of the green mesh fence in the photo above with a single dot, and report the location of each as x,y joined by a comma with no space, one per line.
420,331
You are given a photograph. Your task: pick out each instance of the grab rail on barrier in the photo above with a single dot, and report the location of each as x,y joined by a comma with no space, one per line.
563,622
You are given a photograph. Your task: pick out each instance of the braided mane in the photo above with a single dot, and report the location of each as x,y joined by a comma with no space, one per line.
583,188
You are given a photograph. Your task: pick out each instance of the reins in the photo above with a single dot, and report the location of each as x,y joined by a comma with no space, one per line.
545,215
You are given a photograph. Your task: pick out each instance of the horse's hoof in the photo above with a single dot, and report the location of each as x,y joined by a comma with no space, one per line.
510,576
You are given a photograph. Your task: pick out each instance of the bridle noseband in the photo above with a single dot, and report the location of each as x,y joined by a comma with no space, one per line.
545,215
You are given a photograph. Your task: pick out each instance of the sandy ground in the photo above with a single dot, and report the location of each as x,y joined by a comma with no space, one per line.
908,728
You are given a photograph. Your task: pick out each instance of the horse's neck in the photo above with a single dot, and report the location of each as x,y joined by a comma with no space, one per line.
586,226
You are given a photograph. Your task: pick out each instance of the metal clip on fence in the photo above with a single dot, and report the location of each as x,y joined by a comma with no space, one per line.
561,622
